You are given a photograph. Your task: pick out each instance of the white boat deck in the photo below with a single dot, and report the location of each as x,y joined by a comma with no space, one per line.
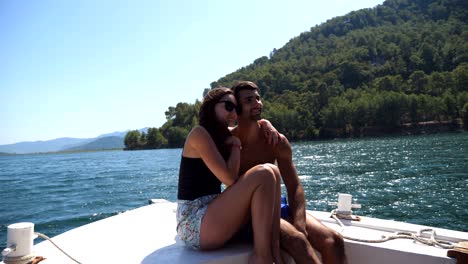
148,235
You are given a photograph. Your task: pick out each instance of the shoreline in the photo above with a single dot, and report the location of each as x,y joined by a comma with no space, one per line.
408,129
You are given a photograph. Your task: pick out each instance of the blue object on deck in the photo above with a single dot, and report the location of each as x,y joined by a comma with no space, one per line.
284,208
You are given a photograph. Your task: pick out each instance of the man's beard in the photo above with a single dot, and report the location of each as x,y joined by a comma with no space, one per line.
256,117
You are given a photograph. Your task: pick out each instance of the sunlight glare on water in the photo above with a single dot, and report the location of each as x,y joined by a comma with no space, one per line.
419,179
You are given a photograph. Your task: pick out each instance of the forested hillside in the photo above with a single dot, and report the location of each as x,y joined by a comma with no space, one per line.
379,69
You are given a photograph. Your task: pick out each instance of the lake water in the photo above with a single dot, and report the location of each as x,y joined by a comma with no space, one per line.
416,179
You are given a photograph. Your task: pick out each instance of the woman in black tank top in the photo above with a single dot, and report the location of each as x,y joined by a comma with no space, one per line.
207,218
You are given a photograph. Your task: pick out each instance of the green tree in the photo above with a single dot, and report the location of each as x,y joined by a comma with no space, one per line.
390,109
143,138
465,116
461,77
337,113
131,139
450,106
176,136
362,111
413,102
156,138
418,81
462,99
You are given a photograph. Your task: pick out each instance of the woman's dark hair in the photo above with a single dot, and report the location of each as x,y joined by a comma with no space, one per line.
207,119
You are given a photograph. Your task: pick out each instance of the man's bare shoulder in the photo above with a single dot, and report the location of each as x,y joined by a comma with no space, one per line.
283,142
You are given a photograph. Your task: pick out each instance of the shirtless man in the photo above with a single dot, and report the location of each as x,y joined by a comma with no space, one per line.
302,233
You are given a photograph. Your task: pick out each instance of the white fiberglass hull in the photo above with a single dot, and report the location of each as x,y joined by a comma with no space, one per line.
147,235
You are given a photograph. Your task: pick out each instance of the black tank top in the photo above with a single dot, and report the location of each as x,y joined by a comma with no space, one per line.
196,180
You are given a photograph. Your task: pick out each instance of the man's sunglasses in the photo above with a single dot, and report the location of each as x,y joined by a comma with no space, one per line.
229,106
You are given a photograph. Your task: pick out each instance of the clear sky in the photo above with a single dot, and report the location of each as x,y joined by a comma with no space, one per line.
89,67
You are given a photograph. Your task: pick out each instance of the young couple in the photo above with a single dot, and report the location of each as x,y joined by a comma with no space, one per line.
243,160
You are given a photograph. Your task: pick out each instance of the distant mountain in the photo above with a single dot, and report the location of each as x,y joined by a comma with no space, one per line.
76,144
42,146
114,134
122,133
112,140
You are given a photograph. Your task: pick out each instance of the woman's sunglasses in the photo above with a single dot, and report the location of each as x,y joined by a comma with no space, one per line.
229,106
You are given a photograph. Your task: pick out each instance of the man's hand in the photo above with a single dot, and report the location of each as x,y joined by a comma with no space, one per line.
233,141
271,134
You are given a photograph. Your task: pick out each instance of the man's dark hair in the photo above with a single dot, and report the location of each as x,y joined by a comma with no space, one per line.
240,86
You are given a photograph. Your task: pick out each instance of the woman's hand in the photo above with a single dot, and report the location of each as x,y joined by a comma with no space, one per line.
233,142
233,163
271,134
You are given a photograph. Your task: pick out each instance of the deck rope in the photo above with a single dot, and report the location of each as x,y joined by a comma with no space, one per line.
431,241
63,251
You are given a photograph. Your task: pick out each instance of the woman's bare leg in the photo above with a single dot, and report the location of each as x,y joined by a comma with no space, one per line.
253,194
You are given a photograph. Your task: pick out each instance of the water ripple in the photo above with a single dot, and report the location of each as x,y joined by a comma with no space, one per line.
421,180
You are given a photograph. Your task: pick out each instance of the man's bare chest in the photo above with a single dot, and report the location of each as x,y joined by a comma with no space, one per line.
255,154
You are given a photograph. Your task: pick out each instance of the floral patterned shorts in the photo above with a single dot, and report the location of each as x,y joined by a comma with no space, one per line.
189,217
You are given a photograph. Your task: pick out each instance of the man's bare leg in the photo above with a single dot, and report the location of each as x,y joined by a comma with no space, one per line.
296,244
327,241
